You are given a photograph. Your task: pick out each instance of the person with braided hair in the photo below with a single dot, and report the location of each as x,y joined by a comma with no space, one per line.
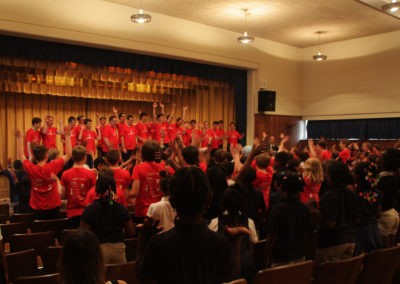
107,219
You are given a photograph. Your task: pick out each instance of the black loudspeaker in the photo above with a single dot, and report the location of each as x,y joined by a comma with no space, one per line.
266,100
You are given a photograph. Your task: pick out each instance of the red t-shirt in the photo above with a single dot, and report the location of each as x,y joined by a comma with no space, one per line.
119,197
74,136
203,166
122,178
325,155
89,140
122,127
345,155
233,137
206,139
32,136
44,191
49,138
311,190
161,128
215,141
142,130
112,135
148,173
129,133
263,182
100,131
77,182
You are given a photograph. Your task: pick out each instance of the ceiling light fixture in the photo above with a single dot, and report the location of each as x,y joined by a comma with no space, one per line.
391,7
245,38
141,17
319,56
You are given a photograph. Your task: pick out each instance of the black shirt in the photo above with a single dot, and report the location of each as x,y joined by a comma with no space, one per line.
390,186
106,220
341,206
289,221
188,254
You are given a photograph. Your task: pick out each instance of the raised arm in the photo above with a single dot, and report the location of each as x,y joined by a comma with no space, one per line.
20,144
68,146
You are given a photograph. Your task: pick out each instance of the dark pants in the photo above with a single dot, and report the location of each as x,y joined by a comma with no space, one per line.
74,222
125,157
48,214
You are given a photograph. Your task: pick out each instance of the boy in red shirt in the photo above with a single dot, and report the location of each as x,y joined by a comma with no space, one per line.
45,198
129,138
88,137
32,137
122,177
146,180
75,183
142,128
49,133
73,130
110,135
344,154
232,135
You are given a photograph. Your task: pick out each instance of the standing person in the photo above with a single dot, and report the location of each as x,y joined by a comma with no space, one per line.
107,219
110,135
344,154
101,124
220,134
340,213
215,142
208,134
88,137
122,177
49,133
288,224
75,183
313,176
45,199
264,173
32,137
129,136
389,185
146,180
210,260
370,199
71,127
122,127
233,135
142,129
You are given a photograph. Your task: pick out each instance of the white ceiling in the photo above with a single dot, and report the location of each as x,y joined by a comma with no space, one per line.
293,22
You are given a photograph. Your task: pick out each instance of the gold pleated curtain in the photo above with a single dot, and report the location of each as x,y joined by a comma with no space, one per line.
30,88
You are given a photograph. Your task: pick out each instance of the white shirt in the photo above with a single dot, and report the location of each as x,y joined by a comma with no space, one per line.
213,226
164,212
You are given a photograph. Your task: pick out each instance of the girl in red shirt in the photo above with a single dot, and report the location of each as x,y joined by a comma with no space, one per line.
313,176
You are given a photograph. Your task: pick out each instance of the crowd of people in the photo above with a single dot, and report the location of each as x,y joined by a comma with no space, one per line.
202,199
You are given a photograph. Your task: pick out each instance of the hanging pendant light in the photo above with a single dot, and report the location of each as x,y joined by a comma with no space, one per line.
391,7
245,38
319,56
141,17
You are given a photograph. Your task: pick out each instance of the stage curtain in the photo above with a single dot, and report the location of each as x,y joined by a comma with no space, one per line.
17,111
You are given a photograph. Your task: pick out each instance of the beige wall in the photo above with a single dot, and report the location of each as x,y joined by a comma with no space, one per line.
358,78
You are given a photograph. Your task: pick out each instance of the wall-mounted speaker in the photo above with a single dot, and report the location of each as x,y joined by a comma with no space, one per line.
266,100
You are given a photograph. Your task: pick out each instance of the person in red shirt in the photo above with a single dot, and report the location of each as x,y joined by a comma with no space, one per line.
146,180
264,173
232,135
175,128
32,137
142,129
71,127
344,154
88,137
45,198
208,135
313,176
122,177
129,137
49,133
101,123
75,184
324,153
218,137
122,127
221,133
110,135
